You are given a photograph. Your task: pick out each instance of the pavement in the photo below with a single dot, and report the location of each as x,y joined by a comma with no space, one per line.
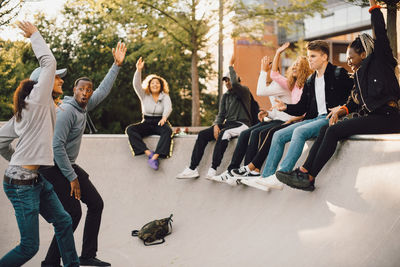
351,219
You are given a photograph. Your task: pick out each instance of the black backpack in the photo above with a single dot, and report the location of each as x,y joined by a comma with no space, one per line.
154,230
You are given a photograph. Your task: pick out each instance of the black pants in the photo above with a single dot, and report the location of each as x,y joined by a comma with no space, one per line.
262,153
206,136
149,126
325,145
249,142
89,196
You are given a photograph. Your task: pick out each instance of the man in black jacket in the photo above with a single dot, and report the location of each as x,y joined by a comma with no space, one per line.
234,116
375,95
328,87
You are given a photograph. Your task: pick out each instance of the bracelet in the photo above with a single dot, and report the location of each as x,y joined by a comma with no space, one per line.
374,7
345,109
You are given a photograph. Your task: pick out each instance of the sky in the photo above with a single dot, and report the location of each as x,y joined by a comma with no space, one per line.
49,7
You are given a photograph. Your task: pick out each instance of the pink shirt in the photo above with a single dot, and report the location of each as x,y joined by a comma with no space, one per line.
283,82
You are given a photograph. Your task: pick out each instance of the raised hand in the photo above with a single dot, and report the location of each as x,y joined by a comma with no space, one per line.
232,61
140,64
27,27
266,63
283,47
119,53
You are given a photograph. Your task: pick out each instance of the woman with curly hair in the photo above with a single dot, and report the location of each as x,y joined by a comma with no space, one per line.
156,107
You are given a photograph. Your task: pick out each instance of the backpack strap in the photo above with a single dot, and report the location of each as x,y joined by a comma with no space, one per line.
135,232
154,243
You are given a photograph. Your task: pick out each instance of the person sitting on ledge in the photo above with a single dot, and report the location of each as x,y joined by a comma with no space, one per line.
156,107
375,95
233,118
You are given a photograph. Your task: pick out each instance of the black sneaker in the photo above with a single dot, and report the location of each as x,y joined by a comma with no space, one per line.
46,264
241,172
92,262
296,179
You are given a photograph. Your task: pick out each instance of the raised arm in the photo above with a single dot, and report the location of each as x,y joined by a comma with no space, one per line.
105,86
262,88
137,78
42,90
382,46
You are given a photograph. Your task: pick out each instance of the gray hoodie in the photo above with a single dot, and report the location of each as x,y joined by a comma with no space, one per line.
71,122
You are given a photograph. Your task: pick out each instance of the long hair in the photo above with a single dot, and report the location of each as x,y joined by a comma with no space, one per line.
146,84
303,71
23,90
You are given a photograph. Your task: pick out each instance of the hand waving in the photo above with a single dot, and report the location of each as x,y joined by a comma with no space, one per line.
119,53
27,27
140,64
283,47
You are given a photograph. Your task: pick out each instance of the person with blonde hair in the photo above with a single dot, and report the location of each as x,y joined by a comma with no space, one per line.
374,98
156,107
290,92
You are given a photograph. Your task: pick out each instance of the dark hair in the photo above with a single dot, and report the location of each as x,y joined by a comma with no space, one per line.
82,79
23,90
319,45
357,46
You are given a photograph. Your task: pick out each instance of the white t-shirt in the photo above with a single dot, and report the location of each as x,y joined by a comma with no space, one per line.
320,95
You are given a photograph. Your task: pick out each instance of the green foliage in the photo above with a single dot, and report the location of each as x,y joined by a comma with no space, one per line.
82,41
8,10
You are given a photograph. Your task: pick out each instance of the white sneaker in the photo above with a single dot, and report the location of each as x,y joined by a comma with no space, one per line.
270,181
211,173
188,173
252,183
227,177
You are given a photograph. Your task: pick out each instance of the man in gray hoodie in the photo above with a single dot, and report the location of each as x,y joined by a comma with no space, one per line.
67,178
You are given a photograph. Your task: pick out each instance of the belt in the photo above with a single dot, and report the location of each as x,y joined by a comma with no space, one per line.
33,181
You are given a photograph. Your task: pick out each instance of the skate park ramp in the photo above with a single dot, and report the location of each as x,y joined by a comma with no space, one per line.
351,219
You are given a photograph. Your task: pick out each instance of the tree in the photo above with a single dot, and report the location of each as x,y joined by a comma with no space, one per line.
8,10
392,7
83,45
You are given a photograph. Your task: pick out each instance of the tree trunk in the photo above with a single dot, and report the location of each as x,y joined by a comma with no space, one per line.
195,87
391,26
220,49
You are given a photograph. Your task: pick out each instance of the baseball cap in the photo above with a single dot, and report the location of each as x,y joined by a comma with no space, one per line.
36,73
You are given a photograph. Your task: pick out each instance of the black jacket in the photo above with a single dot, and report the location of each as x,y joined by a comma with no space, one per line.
375,81
235,103
338,85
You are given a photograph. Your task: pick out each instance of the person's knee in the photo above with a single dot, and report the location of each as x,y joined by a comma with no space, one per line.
167,130
97,206
131,130
202,134
76,215
300,133
29,249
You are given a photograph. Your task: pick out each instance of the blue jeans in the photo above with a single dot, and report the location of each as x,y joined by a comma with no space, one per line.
29,201
297,134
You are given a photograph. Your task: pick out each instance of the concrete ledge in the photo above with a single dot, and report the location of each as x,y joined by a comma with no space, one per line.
351,219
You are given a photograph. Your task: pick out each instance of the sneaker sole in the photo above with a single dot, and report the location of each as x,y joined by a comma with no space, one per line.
286,179
255,185
187,177
273,186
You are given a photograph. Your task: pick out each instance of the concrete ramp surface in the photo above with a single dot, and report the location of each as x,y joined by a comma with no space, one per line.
351,219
